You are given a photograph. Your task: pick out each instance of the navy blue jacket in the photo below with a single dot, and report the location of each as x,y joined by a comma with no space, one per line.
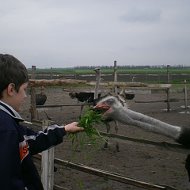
17,145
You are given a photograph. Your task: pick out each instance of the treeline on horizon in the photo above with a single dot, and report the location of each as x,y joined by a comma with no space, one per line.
128,69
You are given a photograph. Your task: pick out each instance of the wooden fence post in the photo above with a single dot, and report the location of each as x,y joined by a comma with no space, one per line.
115,77
185,94
47,164
168,74
33,110
168,99
98,77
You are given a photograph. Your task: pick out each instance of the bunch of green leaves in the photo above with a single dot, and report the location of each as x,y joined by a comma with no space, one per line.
89,120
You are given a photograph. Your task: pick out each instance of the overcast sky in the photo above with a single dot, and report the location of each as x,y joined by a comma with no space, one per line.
64,33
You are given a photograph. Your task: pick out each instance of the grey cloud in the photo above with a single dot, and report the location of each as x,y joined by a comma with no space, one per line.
142,15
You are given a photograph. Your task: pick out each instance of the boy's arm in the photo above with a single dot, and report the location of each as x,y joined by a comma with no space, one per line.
43,140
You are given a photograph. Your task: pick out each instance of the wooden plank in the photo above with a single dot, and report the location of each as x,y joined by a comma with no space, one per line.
47,163
55,82
126,84
110,175
61,82
166,145
62,105
158,101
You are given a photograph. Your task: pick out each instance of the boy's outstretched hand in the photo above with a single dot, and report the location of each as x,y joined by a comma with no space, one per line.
73,128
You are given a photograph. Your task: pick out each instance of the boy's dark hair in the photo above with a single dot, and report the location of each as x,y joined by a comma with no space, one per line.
11,71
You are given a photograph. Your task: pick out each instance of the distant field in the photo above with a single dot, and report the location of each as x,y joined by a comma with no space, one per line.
128,74
109,70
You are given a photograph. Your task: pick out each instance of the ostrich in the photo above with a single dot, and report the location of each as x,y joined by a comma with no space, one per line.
127,94
83,96
115,108
41,97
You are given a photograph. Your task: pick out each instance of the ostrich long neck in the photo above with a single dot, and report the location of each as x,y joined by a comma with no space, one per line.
127,116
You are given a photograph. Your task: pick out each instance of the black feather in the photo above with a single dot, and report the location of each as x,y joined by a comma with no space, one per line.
184,137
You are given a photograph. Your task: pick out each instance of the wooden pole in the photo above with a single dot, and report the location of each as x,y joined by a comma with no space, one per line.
168,99
115,78
168,90
33,110
47,163
185,94
116,93
168,75
98,77
51,73
33,76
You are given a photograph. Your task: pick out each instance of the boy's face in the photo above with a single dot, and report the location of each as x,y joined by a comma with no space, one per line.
20,96
17,98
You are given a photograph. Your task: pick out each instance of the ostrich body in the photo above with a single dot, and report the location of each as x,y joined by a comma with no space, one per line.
87,97
83,96
41,97
126,94
116,109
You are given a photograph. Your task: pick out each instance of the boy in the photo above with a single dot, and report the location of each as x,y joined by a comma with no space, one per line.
18,143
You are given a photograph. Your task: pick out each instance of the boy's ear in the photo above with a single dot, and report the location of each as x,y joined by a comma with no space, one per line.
11,89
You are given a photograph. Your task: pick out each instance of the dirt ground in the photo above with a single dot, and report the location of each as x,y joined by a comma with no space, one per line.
148,163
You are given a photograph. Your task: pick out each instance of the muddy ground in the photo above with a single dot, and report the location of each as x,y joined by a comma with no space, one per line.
149,163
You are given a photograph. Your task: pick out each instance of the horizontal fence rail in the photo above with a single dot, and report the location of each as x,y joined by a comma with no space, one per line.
109,175
166,145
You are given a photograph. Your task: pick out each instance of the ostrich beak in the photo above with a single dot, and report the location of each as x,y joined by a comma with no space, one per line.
102,107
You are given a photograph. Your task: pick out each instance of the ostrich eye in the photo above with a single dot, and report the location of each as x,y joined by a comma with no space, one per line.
111,101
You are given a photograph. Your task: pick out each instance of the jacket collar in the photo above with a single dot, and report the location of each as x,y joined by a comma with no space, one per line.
8,109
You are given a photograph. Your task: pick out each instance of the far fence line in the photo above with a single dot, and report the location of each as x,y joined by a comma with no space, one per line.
146,77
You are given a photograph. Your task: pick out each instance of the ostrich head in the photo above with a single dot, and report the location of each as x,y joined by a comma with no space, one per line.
110,105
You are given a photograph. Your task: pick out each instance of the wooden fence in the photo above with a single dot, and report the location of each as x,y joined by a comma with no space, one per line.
48,159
